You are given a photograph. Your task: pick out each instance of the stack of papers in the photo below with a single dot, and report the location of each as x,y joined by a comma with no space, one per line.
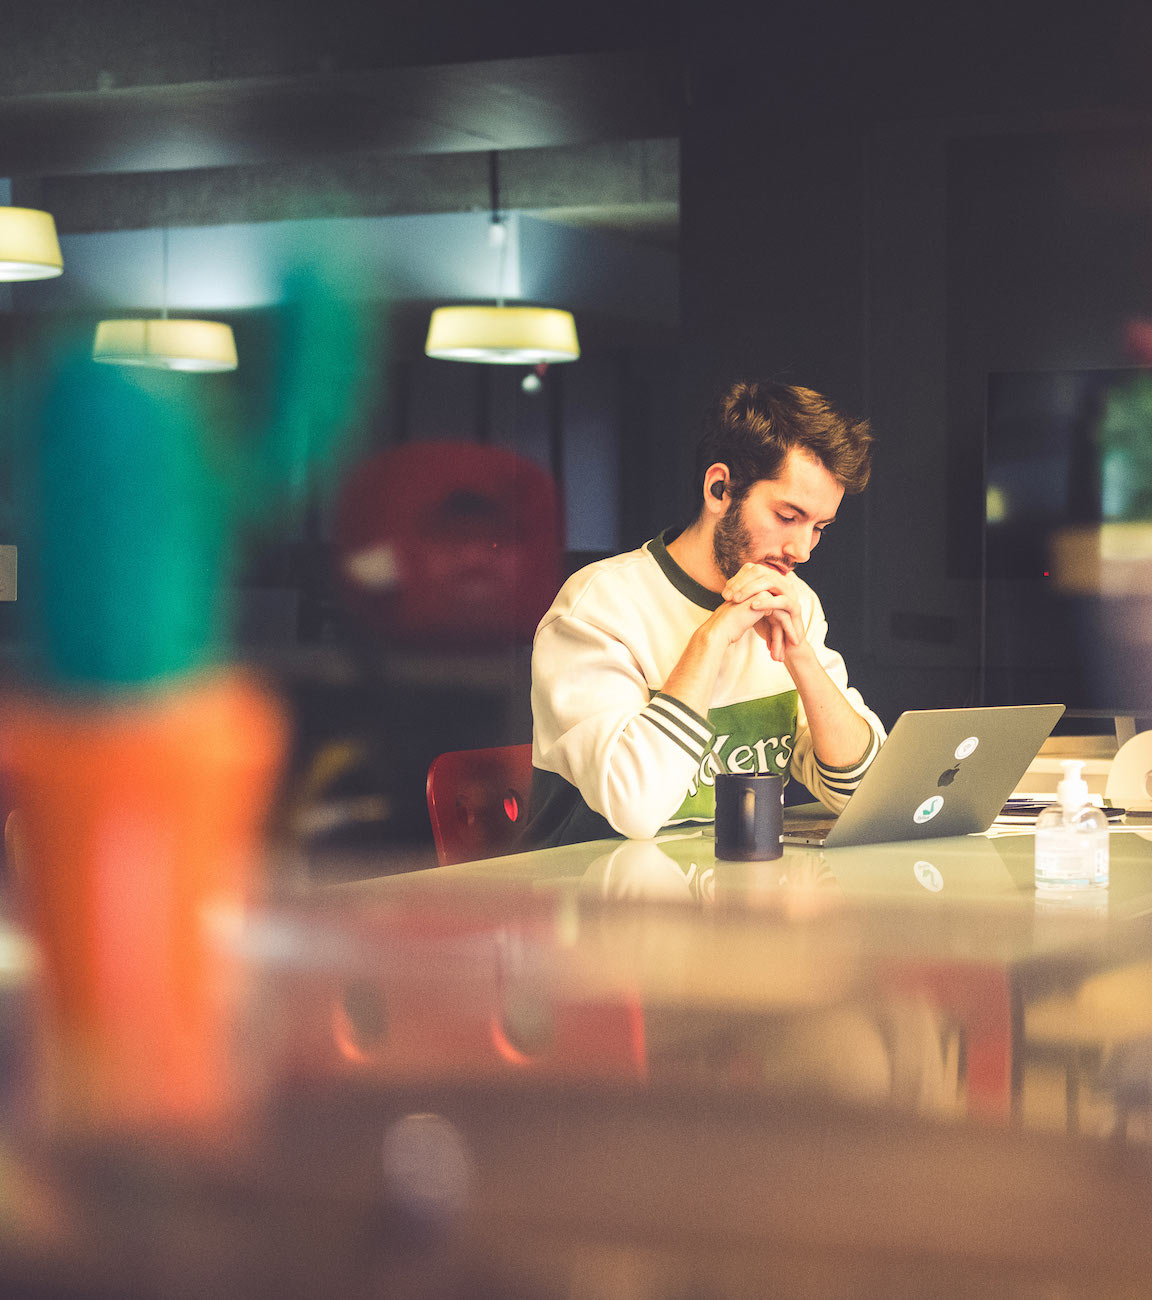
1023,809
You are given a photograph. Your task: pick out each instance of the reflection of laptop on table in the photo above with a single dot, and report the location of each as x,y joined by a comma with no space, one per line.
940,772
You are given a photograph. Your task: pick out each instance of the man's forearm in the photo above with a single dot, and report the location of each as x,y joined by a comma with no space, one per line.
693,680
840,736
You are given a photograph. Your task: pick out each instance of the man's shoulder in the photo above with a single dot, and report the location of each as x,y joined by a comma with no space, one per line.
603,575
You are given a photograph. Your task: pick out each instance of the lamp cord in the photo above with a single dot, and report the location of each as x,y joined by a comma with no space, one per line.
164,273
494,183
498,224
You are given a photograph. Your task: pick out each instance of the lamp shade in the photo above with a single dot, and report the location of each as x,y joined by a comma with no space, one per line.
511,336
204,345
29,249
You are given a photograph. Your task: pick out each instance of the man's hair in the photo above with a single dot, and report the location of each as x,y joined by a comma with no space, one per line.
754,426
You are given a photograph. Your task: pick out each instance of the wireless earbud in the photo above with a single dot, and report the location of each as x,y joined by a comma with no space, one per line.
718,489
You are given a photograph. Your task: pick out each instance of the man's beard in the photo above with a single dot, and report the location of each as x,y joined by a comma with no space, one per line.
731,541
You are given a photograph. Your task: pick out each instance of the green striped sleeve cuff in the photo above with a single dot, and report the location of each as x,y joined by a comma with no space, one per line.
844,780
680,724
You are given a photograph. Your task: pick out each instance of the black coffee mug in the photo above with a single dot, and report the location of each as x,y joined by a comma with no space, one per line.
749,816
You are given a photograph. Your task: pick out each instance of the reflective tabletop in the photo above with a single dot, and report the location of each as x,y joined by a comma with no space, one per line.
976,892
626,1068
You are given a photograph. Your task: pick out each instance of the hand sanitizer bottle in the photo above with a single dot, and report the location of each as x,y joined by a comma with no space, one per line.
1071,837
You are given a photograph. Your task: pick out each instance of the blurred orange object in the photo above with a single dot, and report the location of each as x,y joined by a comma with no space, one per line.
141,834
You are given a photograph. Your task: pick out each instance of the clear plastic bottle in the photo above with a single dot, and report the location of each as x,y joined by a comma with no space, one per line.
1072,838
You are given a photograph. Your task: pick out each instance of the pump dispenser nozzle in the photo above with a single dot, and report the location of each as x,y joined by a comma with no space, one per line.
1073,790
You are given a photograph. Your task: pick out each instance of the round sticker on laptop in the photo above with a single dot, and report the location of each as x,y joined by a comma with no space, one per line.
929,876
966,747
928,809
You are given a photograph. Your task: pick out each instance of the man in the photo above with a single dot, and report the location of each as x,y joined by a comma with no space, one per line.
703,650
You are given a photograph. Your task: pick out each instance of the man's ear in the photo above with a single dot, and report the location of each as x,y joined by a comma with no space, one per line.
716,488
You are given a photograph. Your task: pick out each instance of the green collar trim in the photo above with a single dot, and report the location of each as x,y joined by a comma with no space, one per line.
685,585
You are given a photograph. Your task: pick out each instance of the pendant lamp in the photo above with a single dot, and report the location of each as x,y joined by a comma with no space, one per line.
203,345
166,344
29,249
502,335
510,336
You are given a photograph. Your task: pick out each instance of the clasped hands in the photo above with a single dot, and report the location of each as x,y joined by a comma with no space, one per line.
766,600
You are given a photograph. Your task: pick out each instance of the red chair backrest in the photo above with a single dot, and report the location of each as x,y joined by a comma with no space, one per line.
477,801
419,990
449,544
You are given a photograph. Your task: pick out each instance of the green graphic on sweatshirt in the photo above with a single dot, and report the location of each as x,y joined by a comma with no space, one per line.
752,736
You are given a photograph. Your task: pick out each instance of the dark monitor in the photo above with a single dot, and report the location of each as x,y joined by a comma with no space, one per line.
1067,608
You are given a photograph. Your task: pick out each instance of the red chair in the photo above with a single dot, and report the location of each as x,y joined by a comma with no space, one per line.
449,545
477,801
978,995
419,992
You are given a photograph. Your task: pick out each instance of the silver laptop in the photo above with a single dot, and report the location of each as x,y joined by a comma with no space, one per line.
940,772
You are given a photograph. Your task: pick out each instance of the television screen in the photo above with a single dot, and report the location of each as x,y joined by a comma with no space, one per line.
1067,608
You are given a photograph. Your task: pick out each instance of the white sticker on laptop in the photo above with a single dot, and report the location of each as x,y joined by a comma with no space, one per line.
966,747
928,809
928,874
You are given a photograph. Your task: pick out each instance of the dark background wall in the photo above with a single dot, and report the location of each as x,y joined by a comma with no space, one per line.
881,201
887,204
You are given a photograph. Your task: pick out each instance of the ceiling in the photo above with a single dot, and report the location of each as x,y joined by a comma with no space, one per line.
128,115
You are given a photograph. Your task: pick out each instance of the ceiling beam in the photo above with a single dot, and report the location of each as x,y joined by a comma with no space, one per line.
447,108
641,175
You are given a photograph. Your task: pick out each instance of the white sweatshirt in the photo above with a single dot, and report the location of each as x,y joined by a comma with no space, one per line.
613,754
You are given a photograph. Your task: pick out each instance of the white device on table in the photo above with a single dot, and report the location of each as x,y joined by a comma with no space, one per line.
1130,776
940,772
